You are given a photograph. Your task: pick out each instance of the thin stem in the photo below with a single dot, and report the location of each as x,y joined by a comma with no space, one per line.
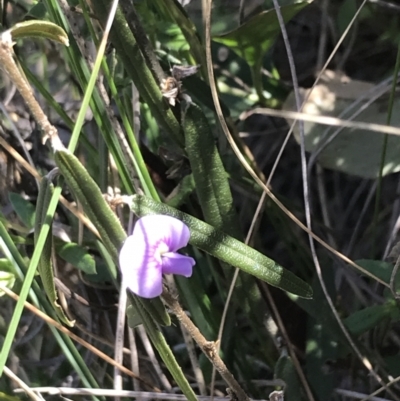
384,150
75,337
208,347
119,338
10,67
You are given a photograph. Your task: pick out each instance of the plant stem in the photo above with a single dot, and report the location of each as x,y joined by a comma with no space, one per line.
208,347
10,67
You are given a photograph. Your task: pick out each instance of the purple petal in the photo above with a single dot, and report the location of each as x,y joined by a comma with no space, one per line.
140,267
175,263
141,259
172,232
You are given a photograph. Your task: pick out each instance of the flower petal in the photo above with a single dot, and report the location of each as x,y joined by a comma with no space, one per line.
140,268
173,232
175,263
141,260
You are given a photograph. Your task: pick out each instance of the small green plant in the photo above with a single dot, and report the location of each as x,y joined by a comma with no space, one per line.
147,212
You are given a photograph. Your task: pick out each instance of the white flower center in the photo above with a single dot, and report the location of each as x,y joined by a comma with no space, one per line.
162,248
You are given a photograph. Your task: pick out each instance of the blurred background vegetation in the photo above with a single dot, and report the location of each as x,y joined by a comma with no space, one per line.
271,340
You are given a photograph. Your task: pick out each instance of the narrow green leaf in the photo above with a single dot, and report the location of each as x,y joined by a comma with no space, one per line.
209,174
178,14
134,61
215,197
24,209
285,370
45,265
321,346
202,310
133,317
227,248
252,39
346,12
89,195
180,194
158,339
39,29
87,79
379,268
202,92
78,257
368,318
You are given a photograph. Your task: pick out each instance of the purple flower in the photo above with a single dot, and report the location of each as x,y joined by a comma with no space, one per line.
151,251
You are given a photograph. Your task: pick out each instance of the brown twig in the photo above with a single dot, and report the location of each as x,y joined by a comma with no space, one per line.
8,64
76,338
209,348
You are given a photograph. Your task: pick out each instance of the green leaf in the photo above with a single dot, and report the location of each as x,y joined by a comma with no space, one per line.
39,29
133,317
211,181
37,11
171,33
182,192
321,347
215,197
252,39
6,265
24,209
6,397
202,92
88,193
392,364
129,52
45,265
78,256
158,339
378,268
368,318
178,14
7,279
226,248
347,10
285,370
